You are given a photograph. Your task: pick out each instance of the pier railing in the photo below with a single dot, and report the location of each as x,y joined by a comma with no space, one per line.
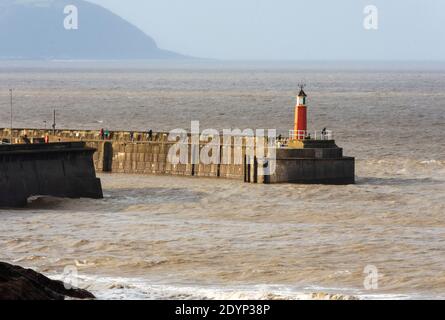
311,135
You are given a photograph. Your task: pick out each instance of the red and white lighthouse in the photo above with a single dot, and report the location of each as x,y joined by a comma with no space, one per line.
300,129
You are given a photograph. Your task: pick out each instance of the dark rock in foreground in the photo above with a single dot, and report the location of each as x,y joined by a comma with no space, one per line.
17,283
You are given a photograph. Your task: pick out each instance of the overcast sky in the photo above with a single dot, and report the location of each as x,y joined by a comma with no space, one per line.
290,29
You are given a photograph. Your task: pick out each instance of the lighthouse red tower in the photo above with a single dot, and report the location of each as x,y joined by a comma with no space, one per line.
300,128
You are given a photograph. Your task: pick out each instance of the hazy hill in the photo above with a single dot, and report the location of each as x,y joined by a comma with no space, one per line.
34,29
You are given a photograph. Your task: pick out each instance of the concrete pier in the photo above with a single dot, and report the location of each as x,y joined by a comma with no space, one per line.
321,164
314,162
56,169
306,162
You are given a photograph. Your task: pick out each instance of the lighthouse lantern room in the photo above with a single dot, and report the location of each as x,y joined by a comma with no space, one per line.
301,98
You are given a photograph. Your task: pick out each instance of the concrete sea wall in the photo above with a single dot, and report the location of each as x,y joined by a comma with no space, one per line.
152,158
143,153
136,153
59,170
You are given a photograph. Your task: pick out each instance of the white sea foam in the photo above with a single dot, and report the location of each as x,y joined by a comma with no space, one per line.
118,288
115,288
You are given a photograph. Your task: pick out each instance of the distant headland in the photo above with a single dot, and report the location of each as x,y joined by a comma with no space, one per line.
72,30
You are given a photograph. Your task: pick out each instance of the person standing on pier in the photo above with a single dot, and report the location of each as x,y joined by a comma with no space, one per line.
26,139
324,133
150,135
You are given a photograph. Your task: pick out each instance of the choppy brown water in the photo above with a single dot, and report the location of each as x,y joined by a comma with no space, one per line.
166,237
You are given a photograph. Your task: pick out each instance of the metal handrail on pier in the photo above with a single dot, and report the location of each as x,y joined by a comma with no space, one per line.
311,135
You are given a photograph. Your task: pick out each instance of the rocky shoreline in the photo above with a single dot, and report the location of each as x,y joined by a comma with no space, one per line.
17,283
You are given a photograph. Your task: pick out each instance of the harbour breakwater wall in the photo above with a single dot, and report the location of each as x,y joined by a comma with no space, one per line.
136,152
57,169
152,158
317,162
